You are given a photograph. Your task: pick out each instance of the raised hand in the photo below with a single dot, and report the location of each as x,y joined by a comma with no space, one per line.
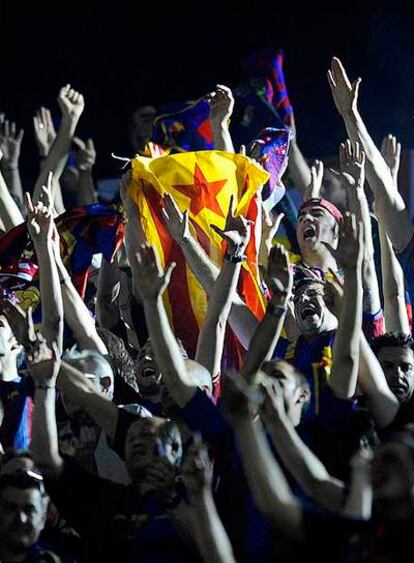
40,216
148,273
391,151
44,130
177,222
71,103
239,399
352,164
279,276
236,231
314,188
344,93
349,253
274,400
197,469
221,104
10,143
270,226
43,362
334,292
85,156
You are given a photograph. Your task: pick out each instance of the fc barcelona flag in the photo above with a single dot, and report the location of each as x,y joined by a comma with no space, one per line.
202,183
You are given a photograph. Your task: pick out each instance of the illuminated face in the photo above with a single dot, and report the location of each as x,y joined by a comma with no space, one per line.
315,224
147,440
310,309
398,365
22,517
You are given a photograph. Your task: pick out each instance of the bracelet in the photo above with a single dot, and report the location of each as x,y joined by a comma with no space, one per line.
235,258
45,387
276,310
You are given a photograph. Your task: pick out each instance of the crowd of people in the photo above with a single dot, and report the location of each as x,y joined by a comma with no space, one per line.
118,443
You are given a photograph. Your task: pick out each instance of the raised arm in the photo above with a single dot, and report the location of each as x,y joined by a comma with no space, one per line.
280,280
107,295
83,392
266,480
85,159
44,365
221,108
298,459
77,314
241,319
345,357
152,282
71,104
352,161
42,230
45,135
10,214
10,145
211,339
209,533
390,206
393,287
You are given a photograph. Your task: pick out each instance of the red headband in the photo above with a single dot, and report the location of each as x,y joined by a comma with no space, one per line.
315,201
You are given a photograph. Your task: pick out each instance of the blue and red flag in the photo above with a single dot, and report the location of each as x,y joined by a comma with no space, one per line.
84,231
185,127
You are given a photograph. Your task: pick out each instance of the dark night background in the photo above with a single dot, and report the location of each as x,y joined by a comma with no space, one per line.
122,54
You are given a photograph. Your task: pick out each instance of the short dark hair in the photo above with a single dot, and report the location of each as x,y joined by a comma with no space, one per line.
273,367
392,340
13,453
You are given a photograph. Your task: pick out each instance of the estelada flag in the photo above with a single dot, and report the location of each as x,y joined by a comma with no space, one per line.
201,182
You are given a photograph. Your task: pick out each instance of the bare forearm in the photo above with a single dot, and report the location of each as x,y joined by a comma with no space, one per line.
265,338
345,361
303,464
211,536
359,501
51,294
14,182
167,353
222,138
81,391
77,315
44,432
10,214
107,296
395,310
390,206
211,339
56,159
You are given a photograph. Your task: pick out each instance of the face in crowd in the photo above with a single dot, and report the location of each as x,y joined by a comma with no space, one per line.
316,224
9,351
149,439
398,365
311,313
296,391
140,126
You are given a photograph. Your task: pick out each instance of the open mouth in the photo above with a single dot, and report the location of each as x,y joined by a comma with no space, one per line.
307,312
309,232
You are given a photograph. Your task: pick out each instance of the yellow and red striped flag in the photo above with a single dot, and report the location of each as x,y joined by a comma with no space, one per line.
201,182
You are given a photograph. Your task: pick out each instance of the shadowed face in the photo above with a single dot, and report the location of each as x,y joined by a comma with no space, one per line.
310,309
398,365
22,517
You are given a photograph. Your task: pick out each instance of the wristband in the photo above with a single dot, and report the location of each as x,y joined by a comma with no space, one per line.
234,258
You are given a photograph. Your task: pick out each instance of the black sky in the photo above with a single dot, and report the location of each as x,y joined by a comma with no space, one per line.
120,54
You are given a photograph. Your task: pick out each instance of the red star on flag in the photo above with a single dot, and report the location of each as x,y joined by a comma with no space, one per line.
202,194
